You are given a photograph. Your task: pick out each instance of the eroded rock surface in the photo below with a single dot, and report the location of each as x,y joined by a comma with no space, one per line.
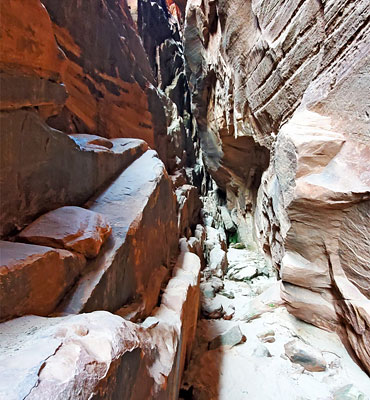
99,355
31,64
279,89
72,228
44,169
34,279
140,206
281,358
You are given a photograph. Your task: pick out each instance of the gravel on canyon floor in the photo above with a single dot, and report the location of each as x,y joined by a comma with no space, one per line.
249,347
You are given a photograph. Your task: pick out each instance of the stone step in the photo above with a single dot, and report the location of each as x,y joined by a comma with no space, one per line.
71,228
100,355
34,279
140,206
43,169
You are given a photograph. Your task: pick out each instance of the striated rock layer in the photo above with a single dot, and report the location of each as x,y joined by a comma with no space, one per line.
100,355
279,92
80,90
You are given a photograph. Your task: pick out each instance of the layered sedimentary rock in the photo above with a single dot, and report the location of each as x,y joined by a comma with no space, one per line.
78,93
107,72
72,228
161,34
34,279
31,63
43,169
141,208
100,355
289,79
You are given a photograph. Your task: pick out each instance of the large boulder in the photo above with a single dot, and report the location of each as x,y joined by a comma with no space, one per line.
34,279
71,228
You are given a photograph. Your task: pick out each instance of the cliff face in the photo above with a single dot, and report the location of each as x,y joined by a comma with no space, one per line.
98,159
279,90
115,115
93,78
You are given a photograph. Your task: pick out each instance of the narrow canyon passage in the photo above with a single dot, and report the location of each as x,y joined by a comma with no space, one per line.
184,200
248,346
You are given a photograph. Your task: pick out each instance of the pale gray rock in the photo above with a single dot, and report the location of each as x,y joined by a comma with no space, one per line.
348,392
207,290
261,351
227,220
307,356
218,262
231,338
212,310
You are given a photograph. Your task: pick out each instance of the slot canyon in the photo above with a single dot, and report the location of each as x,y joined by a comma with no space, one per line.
185,199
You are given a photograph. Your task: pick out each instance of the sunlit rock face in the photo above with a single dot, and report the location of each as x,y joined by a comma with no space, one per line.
289,78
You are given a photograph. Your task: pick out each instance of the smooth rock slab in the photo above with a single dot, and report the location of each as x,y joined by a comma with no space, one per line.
101,356
42,169
33,279
141,208
76,357
305,355
72,228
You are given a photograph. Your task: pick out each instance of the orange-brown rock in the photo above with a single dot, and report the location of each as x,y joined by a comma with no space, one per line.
107,72
33,279
34,53
31,63
71,228
141,208
36,164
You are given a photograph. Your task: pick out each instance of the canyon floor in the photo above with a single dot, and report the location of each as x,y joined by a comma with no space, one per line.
249,347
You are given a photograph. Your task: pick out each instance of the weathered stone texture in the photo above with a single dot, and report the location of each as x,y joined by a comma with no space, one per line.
100,355
43,169
107,71
290,77
34,279
31,63
141,208
71,228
